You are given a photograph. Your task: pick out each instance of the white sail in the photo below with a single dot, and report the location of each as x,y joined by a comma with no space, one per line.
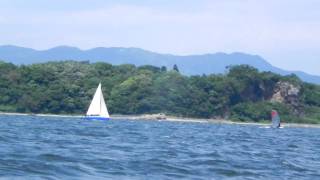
104,110
98,106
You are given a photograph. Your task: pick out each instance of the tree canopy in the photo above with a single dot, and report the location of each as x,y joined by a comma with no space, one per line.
242,94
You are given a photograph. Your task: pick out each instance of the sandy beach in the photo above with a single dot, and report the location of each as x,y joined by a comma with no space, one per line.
168,118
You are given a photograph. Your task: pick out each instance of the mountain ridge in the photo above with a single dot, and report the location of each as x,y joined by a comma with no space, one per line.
188,64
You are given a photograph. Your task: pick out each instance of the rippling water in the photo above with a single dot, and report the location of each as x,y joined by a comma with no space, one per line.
69,148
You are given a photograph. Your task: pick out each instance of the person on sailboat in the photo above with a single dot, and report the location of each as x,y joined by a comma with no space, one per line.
275,119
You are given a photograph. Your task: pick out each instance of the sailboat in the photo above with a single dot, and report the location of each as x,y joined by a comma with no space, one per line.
98,109
275,119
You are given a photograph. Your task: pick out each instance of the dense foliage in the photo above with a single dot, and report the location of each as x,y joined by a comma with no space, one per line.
67,87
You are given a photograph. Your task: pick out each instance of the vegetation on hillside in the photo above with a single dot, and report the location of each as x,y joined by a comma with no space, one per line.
243,94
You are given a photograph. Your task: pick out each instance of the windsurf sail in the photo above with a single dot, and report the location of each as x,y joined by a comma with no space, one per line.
98,108
275,119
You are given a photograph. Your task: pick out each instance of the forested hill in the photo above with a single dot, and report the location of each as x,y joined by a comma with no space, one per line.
189,65
243,93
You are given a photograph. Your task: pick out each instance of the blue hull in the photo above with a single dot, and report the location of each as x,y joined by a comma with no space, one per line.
96,118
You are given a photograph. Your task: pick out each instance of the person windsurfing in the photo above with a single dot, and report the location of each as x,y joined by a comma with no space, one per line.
275,119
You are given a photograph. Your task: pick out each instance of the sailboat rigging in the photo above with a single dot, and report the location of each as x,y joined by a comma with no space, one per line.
98,109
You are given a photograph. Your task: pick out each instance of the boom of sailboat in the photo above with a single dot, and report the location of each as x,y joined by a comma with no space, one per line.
98,109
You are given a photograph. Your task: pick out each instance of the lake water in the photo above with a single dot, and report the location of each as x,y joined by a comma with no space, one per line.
70,148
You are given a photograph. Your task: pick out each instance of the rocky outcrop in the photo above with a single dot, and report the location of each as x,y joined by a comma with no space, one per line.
287,93
159,116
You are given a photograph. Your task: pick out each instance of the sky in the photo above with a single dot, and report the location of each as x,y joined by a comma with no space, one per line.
284,32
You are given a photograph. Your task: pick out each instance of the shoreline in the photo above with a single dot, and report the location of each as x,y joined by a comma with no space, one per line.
148,117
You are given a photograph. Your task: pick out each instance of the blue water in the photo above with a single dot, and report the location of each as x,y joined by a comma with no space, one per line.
69,148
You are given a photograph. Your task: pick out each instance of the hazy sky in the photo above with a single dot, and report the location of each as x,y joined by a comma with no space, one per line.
285,32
